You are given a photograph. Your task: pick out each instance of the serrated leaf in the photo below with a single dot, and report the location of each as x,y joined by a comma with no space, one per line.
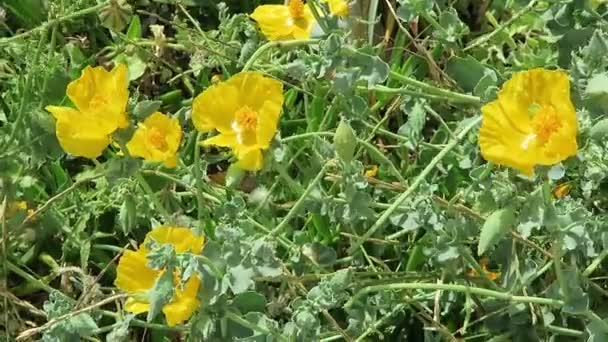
250,301
160,294
599,131
467,72
146,108
497,225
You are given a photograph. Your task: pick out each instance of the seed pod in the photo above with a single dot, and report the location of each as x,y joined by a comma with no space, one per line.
127,217
116,16
345,142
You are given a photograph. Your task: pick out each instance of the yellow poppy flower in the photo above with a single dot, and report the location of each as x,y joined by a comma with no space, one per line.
338,7
372,171
157,139
100,98
244,110
285,22
533,121
135,277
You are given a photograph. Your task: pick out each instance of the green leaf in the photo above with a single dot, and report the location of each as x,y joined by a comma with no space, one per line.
160,294
453,28
146,108
371,68
134,30
410,9
597,332
467,72
116,15
320,254
497,225
118,168
599,131
241,278
250,301
597,90
120,333
127,216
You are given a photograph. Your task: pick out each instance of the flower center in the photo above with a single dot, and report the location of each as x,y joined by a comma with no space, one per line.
246,119
98,101
157,139
245,124
545,123
296,8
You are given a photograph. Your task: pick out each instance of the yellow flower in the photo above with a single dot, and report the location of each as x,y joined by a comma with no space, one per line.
533,121
244,110
484,266
135,277
14,208
338,7
157,139
100,98
285,22
562,190
372,171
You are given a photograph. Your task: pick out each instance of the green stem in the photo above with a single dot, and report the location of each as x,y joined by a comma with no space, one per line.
198,177
148,190
245,323
306,136
50,23
456,288
595,263
433,90
564,331
300,203
417,182
371,20
279,44
558,251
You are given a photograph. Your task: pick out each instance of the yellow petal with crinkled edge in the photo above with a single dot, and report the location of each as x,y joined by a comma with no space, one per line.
215,107
184,302
103,94
157,139
78,133
133,273
532,122
277,23
182,239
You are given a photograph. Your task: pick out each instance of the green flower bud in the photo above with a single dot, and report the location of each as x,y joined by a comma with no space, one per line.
345,142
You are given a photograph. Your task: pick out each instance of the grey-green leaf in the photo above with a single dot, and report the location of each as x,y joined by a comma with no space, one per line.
494,229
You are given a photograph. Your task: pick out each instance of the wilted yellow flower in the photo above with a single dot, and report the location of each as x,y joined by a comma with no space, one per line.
561,190
15,207
484,266
134,276
533,121
285,22
244,110
157,139
100,98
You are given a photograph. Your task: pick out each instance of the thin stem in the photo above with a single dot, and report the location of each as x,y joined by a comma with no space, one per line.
245,323
300,203
280,44
456,288
417,182
198,178
50,23
307,135
371,20
558,251
433,90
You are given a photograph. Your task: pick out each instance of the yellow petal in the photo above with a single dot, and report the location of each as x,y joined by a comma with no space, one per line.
133,274
276,22
184,302
136,307
215,107
103,94
338,7
250,160
78,133
183,239
222,140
